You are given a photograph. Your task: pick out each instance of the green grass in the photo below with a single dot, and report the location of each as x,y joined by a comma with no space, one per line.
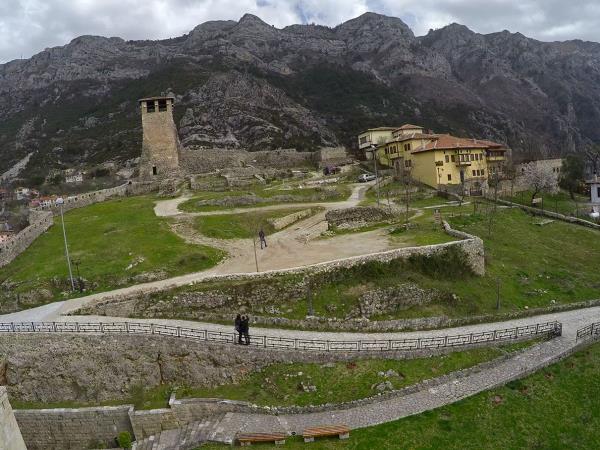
301,195
556,408
105,239
280,384
241,226
560,203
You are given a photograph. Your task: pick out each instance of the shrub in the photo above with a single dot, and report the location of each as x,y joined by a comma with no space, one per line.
124,439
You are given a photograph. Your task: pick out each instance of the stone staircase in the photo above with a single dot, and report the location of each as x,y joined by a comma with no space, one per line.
186,438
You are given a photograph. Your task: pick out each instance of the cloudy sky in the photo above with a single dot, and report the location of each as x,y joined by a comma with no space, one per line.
29,26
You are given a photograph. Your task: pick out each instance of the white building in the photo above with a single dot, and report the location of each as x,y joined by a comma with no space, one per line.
77,178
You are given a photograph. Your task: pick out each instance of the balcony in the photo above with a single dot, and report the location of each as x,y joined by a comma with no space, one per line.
496,158
462,163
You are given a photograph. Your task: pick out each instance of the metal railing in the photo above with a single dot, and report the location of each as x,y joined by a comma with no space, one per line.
548,329
588,332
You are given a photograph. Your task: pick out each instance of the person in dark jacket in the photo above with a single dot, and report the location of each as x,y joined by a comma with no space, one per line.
261,236
245,326
238,327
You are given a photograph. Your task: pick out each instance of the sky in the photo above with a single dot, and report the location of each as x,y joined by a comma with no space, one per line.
29,26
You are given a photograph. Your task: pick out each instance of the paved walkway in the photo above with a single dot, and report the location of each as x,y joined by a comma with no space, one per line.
396,408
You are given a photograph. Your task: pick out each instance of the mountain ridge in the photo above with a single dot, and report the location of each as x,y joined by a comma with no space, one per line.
311,85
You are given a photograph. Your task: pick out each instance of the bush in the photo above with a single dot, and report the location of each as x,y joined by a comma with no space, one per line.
124,439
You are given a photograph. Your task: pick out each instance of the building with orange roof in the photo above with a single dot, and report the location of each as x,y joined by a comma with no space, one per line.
442,161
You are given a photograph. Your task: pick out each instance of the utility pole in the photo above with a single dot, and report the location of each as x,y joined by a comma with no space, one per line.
60,202
374,153
309,300
498,294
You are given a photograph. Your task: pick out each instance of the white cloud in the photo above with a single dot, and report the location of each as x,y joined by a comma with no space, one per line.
28,26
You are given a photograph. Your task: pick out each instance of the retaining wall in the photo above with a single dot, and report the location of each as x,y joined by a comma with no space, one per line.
77,428
281,222
39,222
10,435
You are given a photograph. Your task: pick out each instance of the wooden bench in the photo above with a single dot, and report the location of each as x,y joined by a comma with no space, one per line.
249,438
309,434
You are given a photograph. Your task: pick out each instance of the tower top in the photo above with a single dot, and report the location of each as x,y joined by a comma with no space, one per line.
149,99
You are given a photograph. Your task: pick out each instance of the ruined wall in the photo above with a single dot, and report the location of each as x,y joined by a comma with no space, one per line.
39,222
10,435
356,217
89,198
281,222
209,160
76,429
331,156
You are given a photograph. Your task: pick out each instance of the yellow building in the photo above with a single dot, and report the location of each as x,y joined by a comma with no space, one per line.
442,161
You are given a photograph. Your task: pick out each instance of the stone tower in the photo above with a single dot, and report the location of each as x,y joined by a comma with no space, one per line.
160,144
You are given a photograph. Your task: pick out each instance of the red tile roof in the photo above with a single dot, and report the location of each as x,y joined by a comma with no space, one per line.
447,142
408,126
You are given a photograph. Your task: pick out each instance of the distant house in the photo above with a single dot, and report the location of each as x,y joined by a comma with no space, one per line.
22,193
374,136
76,178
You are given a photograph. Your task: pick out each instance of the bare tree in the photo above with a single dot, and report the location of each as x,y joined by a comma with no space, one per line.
592,155
539,178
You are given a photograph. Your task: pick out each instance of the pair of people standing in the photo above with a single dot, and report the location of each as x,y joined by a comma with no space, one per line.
242,327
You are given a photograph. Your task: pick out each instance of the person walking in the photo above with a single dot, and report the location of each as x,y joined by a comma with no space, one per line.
238,327
245,326
261,236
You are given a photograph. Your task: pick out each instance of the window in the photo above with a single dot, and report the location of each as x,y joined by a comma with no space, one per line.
598,191
150,106
447,159
408,163
453,158
162,105
449,177
472,157
154,170
475,173
363,140
482,172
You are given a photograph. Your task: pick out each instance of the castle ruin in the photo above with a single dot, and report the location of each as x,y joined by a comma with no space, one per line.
160,144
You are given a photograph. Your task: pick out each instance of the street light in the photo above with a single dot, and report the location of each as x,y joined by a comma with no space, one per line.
374,154
60,201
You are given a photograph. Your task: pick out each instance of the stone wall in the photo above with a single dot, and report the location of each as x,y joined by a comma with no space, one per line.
356,217
89,198
332,156
76,429
281,222
10,435
208,160
39,222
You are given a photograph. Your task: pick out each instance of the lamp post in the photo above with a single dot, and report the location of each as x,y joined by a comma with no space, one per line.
374,153
60,201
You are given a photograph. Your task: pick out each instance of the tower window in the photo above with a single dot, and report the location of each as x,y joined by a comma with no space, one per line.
154,171
150,106
162,105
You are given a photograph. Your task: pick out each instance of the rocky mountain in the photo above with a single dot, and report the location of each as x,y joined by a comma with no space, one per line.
248,84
